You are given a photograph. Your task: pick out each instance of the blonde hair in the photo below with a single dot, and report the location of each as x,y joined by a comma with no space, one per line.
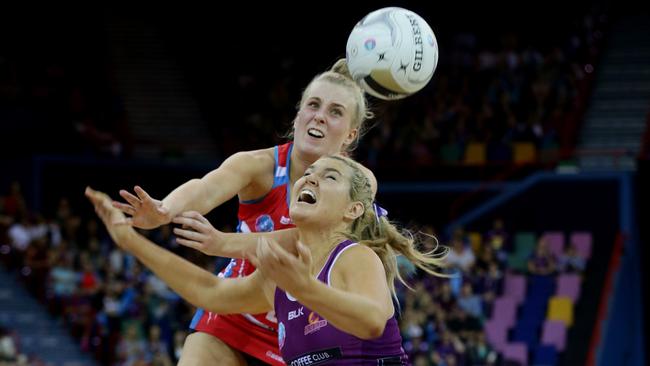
339,74
383,237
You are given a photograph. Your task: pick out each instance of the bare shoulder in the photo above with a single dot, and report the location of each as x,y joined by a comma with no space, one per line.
253,159
263,153
251,164
354,261
355,254
258,165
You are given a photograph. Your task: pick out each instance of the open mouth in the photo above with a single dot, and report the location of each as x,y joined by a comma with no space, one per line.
307,196
315,133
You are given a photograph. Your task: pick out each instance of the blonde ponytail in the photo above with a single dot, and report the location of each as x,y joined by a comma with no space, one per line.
387,241
341,67
383,237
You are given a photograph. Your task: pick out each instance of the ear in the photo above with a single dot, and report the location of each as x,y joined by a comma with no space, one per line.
354,211
352,135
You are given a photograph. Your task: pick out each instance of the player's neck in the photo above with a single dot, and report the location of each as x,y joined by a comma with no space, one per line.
320,243
299,163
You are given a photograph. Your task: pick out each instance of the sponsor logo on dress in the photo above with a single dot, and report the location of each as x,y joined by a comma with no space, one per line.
274,356
316,357
285,220
315,323
282,334
264,223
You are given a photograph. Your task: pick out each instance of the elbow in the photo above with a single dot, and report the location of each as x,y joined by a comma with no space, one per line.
374,323
373,330
205,296
216,307
377,331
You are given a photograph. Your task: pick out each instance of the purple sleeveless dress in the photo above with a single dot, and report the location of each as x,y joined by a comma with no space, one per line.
305,338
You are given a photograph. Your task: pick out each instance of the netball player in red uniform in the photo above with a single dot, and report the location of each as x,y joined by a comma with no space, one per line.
330,120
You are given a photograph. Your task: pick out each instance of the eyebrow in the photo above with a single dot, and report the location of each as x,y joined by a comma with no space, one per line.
334,103
327,170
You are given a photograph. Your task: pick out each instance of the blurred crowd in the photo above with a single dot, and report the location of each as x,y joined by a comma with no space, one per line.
443,319
123,314
117,310
489,95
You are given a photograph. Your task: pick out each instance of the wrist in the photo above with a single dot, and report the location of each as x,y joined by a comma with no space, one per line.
170,210
304,289
217,243
125,237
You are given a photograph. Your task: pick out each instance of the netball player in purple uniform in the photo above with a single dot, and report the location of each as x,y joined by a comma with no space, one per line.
331,290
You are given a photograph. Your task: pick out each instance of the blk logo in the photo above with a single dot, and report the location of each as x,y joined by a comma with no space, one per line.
296,313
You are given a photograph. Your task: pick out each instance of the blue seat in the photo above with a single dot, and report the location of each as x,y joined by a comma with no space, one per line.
533,311
545,356
527,333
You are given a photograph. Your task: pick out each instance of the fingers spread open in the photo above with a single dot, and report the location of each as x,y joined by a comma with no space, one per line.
190,234
191,244
196,216
283,256
144,196
196,225
130,198
127,209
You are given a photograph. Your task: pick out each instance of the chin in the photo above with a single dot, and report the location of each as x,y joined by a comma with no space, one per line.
295,212
304,215
299,220
319,148
312,148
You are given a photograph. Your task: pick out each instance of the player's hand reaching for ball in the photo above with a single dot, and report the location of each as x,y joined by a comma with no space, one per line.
110,216
144,211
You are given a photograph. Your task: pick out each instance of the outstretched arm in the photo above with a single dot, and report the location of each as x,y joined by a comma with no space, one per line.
194,284
202,195
199,234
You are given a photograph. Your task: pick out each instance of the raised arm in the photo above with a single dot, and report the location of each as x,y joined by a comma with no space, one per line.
194,284
221,184
357,302
236,173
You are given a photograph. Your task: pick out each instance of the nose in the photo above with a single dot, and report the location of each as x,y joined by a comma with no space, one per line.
311,179
320,116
